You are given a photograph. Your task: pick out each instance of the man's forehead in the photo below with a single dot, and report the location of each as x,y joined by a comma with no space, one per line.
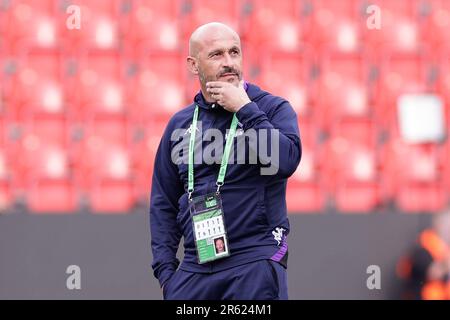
212,34
215,43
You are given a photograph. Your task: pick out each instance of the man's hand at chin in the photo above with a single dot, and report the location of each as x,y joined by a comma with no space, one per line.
230,97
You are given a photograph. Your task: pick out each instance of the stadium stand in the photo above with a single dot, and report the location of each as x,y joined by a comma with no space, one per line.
82,111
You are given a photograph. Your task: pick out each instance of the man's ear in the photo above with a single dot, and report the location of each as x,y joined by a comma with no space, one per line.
192,65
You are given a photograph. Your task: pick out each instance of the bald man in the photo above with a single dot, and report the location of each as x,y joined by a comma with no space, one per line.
220,172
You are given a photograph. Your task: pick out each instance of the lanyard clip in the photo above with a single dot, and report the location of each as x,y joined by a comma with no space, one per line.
190,195
218,184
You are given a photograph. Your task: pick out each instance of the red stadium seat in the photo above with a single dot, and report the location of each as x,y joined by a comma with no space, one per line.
103,166
52,197
98,135
6,62
192,87
399,75
11,146
143,152
360,131
42,149
198,12
99,86
352,166
109,169
435,30
112,189
344,89
444,81
7,169
112,162
305,191
336,26
399,30
36,86
42,132
5,197
31,24
289,76
4,12
305,194
252,63
446,167
2,132
50,188
265,30
158,89
46,165
112,197
358,178
8,71
144,149
152,26
99,27
46,161
5,185
417,170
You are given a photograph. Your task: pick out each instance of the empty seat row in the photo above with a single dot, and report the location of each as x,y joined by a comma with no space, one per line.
351,168
321,89
343,26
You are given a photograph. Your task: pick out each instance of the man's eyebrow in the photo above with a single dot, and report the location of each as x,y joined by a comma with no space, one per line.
222,50
215,51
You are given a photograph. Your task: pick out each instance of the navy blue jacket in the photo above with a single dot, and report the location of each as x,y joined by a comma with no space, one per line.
254,205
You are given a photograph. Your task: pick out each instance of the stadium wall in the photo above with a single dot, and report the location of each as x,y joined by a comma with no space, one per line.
328,255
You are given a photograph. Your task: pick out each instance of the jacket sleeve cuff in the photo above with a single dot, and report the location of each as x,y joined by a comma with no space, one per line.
249,114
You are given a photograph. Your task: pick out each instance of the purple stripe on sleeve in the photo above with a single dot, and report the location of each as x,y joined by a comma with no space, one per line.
280,253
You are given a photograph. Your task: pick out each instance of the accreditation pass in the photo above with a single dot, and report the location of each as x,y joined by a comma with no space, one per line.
209,228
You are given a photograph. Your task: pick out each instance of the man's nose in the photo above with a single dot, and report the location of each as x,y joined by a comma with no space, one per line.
227,60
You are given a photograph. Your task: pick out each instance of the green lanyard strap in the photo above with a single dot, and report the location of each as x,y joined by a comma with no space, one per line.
225,156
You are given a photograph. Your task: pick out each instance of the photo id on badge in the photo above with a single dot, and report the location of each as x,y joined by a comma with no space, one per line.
209,228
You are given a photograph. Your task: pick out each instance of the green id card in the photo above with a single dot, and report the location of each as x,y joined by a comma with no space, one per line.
209,228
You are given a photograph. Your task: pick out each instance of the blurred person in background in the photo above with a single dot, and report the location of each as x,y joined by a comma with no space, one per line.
426,269
254,204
